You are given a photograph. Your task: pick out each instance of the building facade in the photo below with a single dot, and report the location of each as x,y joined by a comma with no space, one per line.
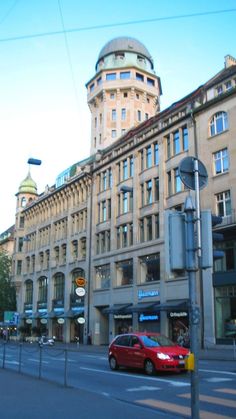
104,225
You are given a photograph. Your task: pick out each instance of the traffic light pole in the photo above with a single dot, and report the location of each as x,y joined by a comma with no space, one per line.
191,267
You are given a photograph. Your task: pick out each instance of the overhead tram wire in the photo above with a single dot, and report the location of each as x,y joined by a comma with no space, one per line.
69,56
113,25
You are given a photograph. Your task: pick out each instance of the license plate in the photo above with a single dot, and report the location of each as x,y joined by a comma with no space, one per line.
181,362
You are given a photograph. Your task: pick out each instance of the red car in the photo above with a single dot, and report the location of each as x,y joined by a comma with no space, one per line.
149,351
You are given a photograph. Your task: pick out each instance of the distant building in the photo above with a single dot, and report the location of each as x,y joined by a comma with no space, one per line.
89,253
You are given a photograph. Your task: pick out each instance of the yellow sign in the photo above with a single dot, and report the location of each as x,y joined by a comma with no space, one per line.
80,282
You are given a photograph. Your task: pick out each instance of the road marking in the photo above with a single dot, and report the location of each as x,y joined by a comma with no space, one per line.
143,388
180,410
210,399
226,390
219,372
217,380
172,382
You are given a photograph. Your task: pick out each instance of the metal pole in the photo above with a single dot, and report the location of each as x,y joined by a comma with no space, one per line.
197,203
191,268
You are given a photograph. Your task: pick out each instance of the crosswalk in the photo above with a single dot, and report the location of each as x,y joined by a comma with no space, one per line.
221,405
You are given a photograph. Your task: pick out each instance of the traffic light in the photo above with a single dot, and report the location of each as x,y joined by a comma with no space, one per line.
217,237
209,239
175,241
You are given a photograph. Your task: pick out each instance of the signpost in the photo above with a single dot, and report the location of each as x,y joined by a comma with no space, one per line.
194,175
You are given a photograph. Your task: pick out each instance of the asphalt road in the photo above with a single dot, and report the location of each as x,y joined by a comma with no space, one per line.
88,375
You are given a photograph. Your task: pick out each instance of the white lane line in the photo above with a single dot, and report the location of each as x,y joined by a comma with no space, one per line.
172,382
217,380
143,388
219,372
37,360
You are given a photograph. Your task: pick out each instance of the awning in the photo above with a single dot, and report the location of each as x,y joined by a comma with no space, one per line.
140,307
54,314
74,313
116,309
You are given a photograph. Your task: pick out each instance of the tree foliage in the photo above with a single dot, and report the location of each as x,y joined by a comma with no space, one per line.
7,289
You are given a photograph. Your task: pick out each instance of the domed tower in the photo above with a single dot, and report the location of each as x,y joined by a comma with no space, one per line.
27,192
124,91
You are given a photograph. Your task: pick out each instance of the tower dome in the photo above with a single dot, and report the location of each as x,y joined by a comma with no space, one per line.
28,185
122,45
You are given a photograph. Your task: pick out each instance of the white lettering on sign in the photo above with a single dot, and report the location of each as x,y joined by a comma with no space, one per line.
176,314
143,294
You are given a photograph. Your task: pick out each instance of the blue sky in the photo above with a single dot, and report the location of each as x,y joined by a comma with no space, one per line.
43,100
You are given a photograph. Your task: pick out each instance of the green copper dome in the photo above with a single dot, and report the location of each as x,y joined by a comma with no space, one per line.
28,185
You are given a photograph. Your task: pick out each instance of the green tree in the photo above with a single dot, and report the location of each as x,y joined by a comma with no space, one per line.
7,289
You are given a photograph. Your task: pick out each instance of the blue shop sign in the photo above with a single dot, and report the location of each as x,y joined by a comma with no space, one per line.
144,294
148,317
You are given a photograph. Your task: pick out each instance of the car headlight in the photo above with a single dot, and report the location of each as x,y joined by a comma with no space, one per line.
160,355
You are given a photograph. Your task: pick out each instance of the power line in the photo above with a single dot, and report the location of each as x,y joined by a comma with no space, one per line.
113,25
8,12
68,54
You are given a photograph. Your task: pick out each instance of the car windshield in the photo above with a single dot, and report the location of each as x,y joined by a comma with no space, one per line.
155,341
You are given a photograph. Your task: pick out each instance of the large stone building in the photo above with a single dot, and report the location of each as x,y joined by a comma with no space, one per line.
104,219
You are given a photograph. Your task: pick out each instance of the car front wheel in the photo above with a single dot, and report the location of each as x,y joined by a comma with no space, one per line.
149,367
113,363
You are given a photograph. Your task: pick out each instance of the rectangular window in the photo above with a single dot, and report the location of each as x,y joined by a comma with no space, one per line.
123,114
221,161
178,182
125,169
149,192
168,147
113,133
150,82
125,202
110,76
149,157
156,189
150,268
156,154
124,273
131,166
169,183
102,277
139,115
142,196
141,160
99,81
176,143
92,87
139,77
185,138
223,202
104,211
124,75
157,226
141,230
113,115
149,227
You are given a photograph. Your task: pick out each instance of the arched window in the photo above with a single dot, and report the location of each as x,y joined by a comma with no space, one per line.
29,291
23,201
218,123
42,289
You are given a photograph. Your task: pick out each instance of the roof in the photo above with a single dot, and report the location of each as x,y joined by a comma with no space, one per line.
124,44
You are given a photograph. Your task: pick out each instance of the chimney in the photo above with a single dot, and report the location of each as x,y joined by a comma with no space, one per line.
229,60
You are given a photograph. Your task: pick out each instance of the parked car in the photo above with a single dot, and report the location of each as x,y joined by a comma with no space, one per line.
149,351
45,341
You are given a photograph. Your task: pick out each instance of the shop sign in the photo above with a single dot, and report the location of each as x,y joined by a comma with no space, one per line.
80,291
144,294
80,282
122,316
29,321
148,317
81,320
60,320
177,314
43,321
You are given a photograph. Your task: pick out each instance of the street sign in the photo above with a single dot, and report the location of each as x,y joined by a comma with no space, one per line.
80,281
187,171
81,320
